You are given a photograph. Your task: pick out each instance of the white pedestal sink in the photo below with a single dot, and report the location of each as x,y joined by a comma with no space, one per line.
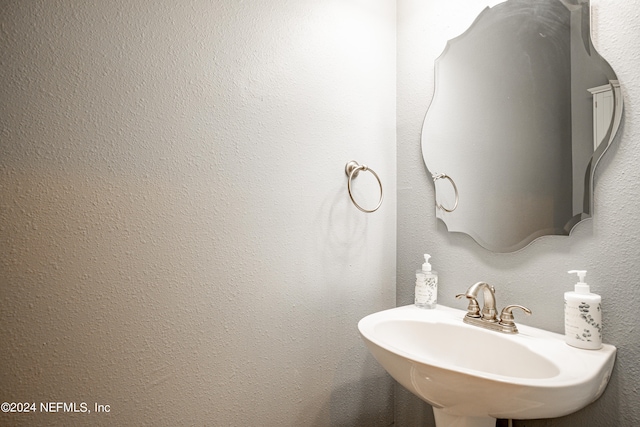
472,376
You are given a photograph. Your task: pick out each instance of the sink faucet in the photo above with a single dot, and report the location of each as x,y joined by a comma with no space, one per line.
487,317
489,307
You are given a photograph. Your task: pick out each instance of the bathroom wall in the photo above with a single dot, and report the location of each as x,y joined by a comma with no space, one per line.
536,276
177,242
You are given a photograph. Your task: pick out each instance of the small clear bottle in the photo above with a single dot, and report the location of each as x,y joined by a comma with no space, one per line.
426,285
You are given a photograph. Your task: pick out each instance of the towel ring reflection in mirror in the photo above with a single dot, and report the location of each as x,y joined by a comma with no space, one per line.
352,169
438,176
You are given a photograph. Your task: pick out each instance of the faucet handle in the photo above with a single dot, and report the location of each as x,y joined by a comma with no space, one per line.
473,310
506,317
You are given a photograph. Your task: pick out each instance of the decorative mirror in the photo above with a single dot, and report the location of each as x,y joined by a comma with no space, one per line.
523,109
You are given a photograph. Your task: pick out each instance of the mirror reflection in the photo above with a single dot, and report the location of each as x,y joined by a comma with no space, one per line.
523,109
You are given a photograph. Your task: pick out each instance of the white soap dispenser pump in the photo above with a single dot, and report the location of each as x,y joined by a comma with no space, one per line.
426,285
582,315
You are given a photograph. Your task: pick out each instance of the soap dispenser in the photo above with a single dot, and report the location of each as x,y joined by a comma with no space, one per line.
426,285
582,316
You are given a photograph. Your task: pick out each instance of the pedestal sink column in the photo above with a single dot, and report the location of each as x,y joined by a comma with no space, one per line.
446,420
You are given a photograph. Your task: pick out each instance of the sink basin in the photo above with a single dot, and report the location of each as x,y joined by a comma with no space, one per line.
471,376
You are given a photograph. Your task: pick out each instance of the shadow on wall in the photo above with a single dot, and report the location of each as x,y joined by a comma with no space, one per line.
347,411
364,402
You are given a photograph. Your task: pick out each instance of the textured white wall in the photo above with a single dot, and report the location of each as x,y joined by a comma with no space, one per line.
176,237
536,276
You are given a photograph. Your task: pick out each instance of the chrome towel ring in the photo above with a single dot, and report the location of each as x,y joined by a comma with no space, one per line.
437,176
352,169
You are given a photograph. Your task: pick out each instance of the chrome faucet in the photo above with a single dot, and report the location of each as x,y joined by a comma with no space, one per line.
486,318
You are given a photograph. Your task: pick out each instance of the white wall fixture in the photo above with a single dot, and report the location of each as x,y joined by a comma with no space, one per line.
444,361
